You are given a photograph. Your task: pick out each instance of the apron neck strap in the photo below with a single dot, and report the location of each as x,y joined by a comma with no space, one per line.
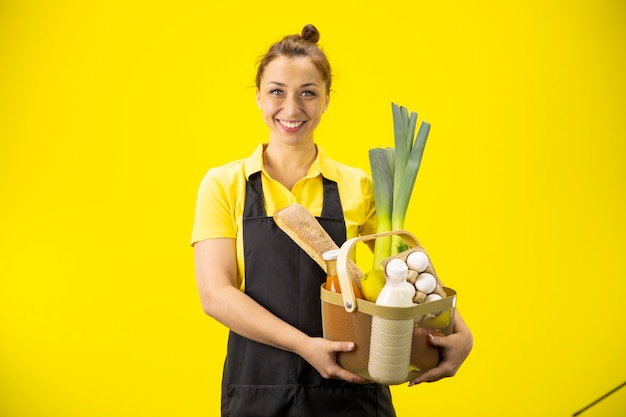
254,205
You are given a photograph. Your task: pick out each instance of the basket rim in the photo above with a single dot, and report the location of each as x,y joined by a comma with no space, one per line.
394,313
349,298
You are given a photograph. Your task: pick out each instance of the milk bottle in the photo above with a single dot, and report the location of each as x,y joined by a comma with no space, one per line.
390,342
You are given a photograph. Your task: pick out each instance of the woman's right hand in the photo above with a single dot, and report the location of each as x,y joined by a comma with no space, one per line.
216,266
322,355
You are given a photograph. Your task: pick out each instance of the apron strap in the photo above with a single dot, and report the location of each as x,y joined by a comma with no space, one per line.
254,194
331,206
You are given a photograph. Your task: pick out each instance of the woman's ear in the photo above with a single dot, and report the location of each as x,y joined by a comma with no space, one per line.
258,99
327,102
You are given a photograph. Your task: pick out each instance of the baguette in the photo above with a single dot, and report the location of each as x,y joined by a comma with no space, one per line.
304,229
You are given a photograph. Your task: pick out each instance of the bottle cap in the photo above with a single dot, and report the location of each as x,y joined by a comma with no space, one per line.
396,268
330,255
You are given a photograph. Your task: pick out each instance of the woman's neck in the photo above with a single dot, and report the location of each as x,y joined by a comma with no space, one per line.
288,165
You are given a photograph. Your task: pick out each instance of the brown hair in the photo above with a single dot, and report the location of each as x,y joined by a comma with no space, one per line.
295,46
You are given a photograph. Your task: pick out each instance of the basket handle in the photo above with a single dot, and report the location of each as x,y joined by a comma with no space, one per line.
349,300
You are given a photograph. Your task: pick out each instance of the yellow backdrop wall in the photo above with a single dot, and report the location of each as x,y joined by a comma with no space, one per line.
112,111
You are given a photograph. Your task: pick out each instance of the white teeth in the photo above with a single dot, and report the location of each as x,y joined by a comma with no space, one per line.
290,125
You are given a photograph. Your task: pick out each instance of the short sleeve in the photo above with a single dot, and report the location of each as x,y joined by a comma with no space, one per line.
214,212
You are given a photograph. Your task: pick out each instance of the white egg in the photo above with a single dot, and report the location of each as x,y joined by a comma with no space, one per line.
411,289
433,297
417,261
426,283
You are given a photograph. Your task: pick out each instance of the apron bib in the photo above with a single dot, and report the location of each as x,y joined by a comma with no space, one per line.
260,380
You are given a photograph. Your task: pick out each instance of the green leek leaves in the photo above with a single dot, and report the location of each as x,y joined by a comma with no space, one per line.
394,172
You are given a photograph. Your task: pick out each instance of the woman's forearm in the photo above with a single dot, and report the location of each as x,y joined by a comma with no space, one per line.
216,268
246,317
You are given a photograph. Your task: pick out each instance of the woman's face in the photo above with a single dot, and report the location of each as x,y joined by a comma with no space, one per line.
292,97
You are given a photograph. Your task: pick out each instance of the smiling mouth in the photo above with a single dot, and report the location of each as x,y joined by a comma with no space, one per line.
290,125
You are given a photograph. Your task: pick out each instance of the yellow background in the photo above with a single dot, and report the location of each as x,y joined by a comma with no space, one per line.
112,111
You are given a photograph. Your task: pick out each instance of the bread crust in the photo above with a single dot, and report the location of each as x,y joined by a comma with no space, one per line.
304,229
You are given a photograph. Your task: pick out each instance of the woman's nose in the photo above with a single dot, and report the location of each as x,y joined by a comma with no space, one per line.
292,105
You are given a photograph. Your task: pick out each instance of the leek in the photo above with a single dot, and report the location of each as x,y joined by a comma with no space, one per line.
405,184
394,171
383,196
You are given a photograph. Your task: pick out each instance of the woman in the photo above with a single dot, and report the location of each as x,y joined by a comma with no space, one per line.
256,281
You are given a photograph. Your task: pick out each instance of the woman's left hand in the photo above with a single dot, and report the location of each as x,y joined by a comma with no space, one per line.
454,350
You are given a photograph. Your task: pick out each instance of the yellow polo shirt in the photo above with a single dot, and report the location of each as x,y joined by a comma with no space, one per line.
220,201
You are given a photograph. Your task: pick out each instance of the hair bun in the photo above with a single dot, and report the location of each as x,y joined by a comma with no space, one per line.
310,34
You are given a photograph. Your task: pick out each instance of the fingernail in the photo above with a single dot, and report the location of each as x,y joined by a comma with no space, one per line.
350,345
431,337
411,384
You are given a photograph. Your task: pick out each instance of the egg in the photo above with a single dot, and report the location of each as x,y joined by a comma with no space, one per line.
433,297
417,261
410,289
426,283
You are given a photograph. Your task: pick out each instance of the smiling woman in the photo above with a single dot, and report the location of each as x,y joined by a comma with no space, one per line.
293,90
292,96
293,93
255,280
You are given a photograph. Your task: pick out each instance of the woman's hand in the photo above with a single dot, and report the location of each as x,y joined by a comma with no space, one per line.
322,355
454,350
216,266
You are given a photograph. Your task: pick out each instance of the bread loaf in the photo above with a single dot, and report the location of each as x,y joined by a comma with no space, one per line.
304,229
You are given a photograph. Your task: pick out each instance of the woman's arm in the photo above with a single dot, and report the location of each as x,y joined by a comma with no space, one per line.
216,268
454,350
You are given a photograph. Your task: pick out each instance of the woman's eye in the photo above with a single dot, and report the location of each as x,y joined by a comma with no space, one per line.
308,93
276,92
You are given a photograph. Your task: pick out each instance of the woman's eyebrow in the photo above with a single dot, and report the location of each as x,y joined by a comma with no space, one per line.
276,83
311,84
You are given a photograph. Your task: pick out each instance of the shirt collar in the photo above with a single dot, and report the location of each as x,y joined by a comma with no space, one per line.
322,165
254,163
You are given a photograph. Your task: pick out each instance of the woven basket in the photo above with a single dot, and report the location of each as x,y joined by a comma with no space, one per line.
346,318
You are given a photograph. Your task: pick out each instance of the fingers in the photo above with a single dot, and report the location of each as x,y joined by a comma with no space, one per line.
322,354
439,341
350,377
435,374
454,349
343,346
341,373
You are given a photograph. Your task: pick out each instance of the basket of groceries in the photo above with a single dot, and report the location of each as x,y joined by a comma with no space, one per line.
390,334
389,312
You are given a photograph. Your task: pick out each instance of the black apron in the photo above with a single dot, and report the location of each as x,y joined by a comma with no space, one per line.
260,380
